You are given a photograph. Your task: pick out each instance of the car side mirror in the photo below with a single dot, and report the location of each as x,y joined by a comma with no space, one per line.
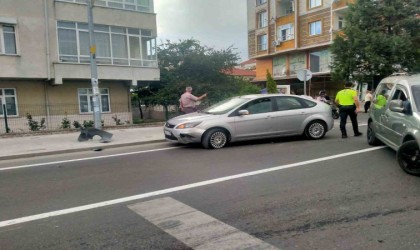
243,112
400,106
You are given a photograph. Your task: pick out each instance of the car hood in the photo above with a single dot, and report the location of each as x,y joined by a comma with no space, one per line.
192,117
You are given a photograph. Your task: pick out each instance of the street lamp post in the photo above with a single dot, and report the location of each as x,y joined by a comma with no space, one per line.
93,69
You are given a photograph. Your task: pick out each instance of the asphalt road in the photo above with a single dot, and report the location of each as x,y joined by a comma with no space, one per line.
287,193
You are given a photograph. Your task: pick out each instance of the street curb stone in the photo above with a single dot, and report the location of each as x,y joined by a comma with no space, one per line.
64,151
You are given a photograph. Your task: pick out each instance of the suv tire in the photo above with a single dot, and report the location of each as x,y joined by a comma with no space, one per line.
408,156
371,137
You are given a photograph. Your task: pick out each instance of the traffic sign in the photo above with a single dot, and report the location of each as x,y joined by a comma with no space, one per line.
304,75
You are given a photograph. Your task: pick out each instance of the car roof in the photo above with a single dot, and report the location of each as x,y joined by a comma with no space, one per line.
264,95
403,79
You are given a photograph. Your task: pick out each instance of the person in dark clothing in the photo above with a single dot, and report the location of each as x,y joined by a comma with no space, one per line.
348,104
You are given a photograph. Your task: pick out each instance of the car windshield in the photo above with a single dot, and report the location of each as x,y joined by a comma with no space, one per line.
416,94
225,106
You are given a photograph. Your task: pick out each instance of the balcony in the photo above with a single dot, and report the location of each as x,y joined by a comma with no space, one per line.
339,4
285,8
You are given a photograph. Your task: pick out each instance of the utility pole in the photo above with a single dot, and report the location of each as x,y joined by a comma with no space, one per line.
93,69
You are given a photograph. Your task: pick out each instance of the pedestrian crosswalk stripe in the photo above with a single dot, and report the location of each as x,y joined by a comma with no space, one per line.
195,228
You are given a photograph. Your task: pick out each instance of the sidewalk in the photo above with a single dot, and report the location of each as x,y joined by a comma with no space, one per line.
29,146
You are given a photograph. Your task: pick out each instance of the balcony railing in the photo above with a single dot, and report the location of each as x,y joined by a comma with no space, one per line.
133,5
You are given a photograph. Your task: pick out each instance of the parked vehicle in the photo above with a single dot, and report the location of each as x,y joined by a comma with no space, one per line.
251,117
394,119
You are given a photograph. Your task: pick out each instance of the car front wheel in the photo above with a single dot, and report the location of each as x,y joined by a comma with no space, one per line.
215,138
408,156
371,137
315,130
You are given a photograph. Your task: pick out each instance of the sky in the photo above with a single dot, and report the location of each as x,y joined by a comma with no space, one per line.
214,23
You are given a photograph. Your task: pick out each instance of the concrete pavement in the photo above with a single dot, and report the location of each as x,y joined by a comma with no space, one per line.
46,144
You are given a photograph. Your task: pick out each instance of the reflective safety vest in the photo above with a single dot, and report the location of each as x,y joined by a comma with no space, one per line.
345,97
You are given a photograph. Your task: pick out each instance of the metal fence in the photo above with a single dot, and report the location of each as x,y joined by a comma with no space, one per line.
29,117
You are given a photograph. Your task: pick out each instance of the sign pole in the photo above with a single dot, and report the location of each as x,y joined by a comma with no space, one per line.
304,75
93,69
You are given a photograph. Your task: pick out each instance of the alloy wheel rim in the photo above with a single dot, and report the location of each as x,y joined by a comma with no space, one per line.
316,130
411,158
218,140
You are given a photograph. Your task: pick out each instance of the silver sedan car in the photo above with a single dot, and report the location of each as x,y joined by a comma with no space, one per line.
251,117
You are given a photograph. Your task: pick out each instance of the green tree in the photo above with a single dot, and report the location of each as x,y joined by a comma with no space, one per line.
271,84
188,63
380,37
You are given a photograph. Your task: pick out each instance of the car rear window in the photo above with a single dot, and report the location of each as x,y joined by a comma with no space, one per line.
308,103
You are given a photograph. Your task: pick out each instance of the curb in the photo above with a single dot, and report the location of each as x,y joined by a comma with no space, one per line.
64,151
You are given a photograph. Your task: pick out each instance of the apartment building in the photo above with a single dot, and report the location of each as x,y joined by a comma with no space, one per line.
44,58
285,36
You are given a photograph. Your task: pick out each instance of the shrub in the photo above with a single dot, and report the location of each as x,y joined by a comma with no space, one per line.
65,123
35,125
88,124
137,120
117,121
77,124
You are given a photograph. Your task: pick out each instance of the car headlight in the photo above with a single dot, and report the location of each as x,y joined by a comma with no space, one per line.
187,125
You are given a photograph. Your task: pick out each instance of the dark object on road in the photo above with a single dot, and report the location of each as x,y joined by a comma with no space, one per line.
394,119
335,114
88,133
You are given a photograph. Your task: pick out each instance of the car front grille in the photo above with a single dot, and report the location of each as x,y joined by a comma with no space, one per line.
171,137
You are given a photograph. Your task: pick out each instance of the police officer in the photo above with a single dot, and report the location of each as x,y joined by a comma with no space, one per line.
348,104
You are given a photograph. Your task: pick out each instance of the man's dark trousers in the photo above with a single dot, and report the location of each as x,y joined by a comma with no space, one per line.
345,111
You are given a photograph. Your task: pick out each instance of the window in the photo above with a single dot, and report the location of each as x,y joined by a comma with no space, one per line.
262,19
86,100
8,39
341,23
381,95
314,3
279,66
416,93
288,103
297,62
286,32
135,5
319,61
259,2
8,97
258,106
262,42
114,45
315,28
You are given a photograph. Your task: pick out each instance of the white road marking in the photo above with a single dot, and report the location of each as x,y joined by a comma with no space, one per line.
175,189
194,228
84,159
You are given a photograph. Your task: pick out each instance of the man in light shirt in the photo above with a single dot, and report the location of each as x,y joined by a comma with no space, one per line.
188,101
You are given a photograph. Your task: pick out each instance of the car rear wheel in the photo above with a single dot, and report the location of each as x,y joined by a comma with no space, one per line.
408,156
371,137
315,130
215,138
